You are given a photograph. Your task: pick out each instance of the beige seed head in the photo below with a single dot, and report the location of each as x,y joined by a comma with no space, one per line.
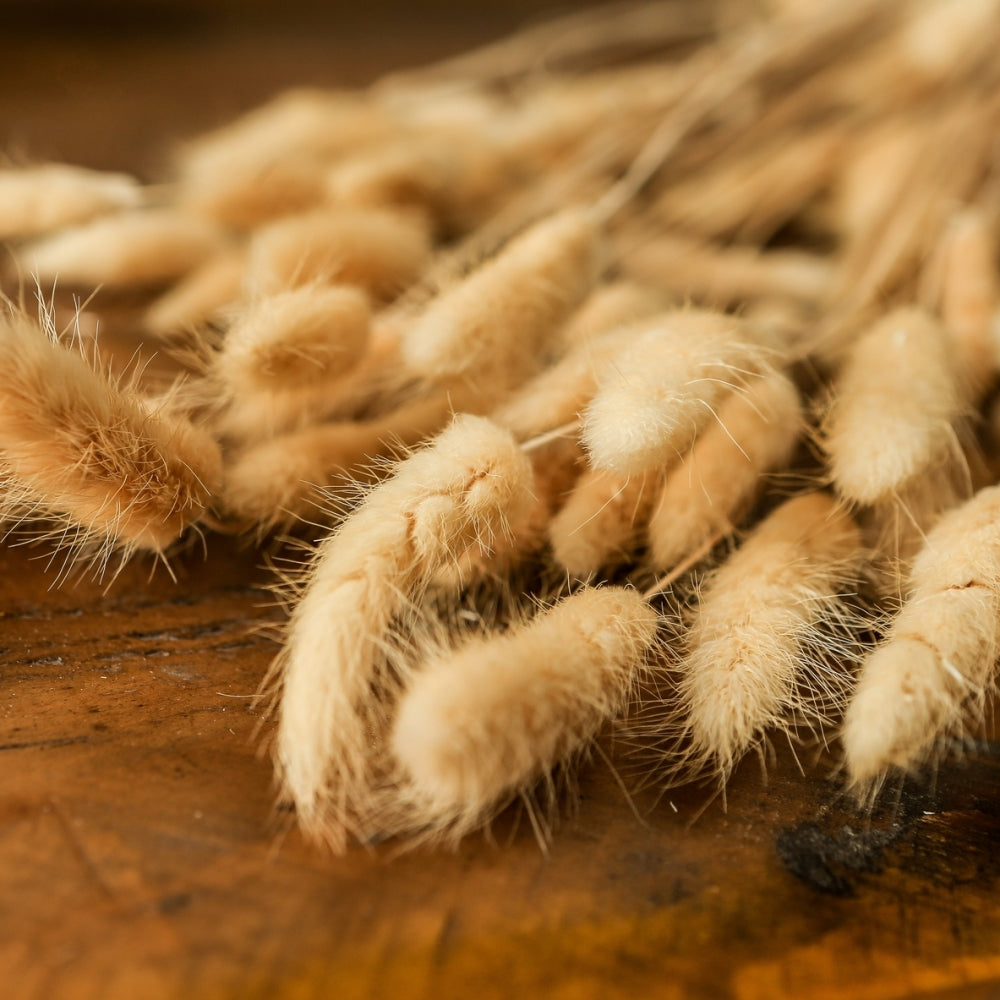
379,250
710,488
485,722
460,490
896,398
82,449
653,399
492,327
39,199
134,248
749,643
930,676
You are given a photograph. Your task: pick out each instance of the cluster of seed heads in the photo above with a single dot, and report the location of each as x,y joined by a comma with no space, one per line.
638,369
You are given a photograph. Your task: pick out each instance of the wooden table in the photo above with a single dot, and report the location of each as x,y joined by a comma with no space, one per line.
140,855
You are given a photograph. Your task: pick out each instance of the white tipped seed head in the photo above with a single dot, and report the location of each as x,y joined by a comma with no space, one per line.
656,395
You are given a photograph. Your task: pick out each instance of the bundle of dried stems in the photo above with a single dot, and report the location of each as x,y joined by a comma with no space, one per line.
663,338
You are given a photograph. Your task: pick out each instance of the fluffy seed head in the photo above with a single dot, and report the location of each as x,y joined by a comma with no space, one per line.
199,297
654,398
486,721
755,431
38,199
894,404
81,448
137,248
461,489
930,676
381,251
749,644
295,339
492,326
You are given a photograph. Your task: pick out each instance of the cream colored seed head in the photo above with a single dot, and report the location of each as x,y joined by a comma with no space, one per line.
493,326
655,396
895,400
611,306
38,199
724,277
602,521
295,339
454,174
135,248
252,193
970,296
199,297
752,629
460,490
932,672
298,124
709,489
279,480
929,677
557,394
382,251
485,722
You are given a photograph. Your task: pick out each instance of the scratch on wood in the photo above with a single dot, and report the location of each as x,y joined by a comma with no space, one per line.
33,744
80,850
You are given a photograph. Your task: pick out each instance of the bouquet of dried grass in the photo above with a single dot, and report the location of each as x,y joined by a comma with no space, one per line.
659,342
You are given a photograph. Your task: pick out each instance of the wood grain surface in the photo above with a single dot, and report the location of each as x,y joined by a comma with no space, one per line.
140,853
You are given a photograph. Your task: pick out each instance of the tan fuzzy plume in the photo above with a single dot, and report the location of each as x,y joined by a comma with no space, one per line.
280,480
456,175
373,384
482,724
295,339
492,327
929,678
654,397
723,277
379,250
200,297
35,200
557,394
82,450
970,298
602,522
460,490
251,194
610,306
132,249
754,646
895,402
708,491
301,124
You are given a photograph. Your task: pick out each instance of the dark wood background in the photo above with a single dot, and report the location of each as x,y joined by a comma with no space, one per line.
140,855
